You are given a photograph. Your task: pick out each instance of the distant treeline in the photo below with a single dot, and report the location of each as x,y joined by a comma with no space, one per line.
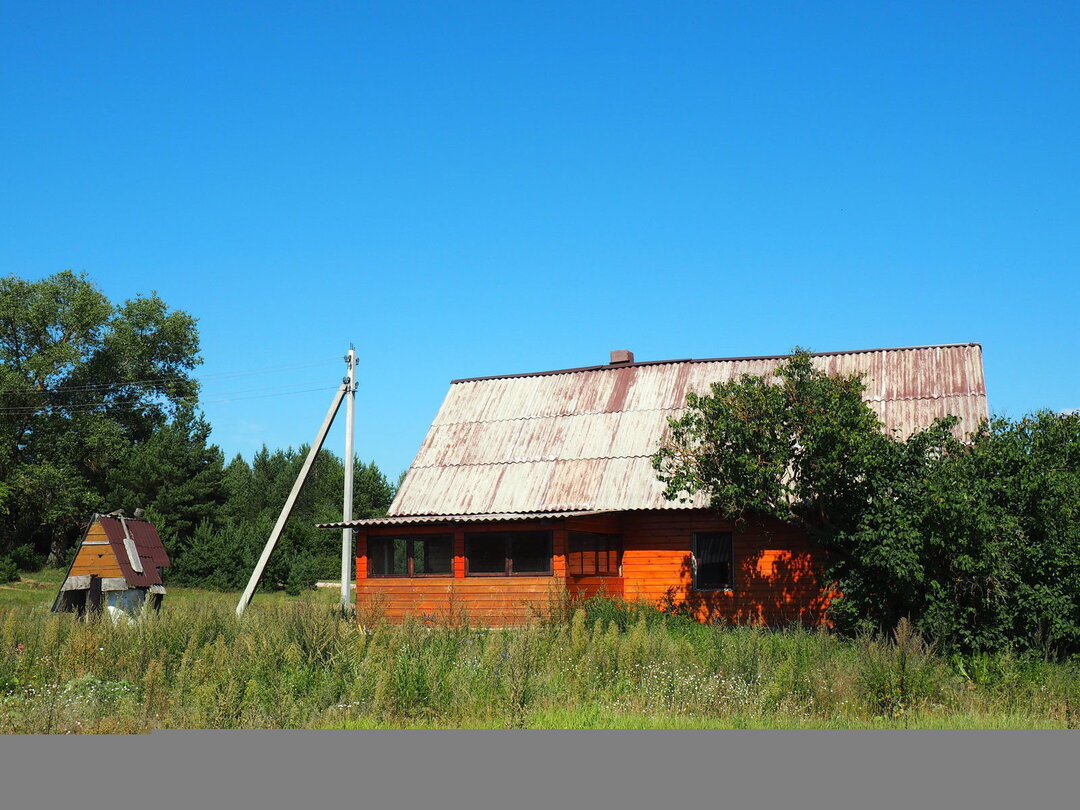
99,411
220,550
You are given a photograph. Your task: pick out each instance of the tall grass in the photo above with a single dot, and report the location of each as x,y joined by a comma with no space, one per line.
603,663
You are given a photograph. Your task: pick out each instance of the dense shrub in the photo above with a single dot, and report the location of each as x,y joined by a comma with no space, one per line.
26,558
9,571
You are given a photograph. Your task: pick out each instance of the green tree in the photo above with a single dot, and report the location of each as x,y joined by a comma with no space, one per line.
976,541
372,491
796,447
254,495
176,475
82,382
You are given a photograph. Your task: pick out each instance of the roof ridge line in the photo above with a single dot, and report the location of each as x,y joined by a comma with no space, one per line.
709,360
523,461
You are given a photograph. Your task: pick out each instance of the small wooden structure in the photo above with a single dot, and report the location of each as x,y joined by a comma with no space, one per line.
117,567
532,484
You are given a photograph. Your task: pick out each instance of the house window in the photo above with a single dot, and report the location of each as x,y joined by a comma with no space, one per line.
411,556
712,561
507,553
593,554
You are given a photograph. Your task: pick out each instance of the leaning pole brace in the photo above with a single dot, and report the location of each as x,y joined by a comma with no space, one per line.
256,575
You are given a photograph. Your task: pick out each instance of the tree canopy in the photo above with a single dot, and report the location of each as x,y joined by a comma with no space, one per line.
99,411
976,540
82,381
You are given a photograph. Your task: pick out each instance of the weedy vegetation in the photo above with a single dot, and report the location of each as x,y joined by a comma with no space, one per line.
296,663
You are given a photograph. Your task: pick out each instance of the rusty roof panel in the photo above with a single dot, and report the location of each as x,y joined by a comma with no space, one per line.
905,416
581,439
547,438
148,545
566,485
148,542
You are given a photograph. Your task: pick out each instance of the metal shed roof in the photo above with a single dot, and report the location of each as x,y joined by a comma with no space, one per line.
582,439
148,545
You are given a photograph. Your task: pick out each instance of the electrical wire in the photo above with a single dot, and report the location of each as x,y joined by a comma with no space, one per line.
158,380
110,389
88,407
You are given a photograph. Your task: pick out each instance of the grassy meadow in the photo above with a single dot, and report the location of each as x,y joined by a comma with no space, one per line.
293,662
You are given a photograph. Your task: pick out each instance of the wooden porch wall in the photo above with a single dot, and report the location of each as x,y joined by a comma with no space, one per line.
486,601
586,587
774,583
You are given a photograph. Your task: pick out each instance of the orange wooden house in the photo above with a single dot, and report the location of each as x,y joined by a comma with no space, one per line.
530,484
117,566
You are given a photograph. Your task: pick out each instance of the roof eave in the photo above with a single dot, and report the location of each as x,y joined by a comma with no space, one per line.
406,520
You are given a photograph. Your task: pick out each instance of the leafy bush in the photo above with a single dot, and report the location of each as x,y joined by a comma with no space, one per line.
26,558
9,572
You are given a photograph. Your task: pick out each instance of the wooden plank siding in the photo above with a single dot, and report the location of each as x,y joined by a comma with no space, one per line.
585,587
775,580
488,601
96,556
774,572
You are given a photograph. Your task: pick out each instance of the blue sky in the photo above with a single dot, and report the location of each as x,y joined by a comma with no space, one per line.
465,189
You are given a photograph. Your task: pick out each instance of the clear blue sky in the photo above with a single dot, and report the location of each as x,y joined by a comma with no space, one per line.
478,188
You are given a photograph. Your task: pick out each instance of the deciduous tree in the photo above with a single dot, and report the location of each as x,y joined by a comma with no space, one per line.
977,541
82,381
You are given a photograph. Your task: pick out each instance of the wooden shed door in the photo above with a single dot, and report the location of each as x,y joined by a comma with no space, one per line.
93,598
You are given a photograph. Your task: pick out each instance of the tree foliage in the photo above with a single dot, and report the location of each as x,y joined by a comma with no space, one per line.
82,381
98,411
221,551
977,541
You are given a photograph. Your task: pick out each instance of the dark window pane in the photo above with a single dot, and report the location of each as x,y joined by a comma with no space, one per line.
431,554
575,553
434,554
712,551
486,552
530,552
387,556
588,554
591,553
401,555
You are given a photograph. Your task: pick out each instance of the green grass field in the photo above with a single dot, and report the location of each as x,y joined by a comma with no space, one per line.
40,588
293,662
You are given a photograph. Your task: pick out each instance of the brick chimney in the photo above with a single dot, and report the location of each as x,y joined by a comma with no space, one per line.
621,357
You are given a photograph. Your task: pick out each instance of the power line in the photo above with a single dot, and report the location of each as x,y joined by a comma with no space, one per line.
87,407
174,378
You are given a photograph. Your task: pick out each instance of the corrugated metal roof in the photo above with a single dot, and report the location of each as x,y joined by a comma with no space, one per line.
581,439
414,520
150,549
